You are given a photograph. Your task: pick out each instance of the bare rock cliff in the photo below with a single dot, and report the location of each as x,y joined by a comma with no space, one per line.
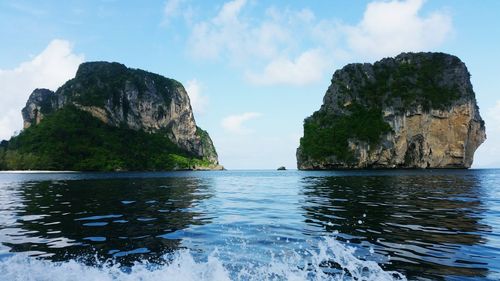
417,110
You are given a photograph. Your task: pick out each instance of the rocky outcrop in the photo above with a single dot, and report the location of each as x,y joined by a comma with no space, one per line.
417,110
130,98
40,103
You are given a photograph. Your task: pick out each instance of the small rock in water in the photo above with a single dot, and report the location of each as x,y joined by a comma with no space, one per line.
282,168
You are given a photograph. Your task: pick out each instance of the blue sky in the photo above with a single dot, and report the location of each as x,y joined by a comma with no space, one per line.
254,69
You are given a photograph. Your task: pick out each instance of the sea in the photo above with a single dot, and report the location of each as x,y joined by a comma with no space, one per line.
251,225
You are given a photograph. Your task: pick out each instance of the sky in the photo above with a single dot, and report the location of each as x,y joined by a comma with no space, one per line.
253,69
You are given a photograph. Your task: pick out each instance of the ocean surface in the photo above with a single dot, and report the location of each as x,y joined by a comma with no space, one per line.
251,225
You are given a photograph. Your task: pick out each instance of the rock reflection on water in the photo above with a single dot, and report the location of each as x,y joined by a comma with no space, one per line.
434,225
100,218
428,225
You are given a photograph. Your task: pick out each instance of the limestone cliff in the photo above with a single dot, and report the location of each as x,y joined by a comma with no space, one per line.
40,103
417,110
127,98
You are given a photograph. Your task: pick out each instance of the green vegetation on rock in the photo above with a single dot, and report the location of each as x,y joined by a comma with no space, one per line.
407,83
3,148
326,134
71,139
206,142
419,82
100,80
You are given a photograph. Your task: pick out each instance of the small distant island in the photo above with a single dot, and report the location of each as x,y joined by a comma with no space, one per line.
417,110
281,168
110,118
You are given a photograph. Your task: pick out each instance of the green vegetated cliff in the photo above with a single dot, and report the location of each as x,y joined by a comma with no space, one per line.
417,110
110,118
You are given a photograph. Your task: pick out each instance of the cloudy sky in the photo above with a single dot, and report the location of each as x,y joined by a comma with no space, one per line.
253,69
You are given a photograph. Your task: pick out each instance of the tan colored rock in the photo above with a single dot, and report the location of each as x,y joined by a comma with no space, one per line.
444,139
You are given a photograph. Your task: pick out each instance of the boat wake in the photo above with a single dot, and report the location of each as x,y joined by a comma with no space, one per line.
330,261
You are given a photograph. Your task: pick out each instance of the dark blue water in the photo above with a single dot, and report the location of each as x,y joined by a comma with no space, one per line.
251,225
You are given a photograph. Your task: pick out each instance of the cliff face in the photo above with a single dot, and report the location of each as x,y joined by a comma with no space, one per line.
127,98
417,110
40,103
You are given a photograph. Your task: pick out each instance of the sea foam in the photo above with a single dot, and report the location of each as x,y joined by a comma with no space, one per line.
183,266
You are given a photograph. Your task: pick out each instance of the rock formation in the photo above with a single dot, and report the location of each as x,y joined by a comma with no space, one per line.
40,103
120,96
417,110
128,98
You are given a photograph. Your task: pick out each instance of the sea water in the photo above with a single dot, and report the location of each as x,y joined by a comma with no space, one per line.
251,225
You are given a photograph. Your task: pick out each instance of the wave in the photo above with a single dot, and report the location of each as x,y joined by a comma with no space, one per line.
330,261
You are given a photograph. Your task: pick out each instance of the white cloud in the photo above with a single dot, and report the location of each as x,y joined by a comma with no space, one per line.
488,154
229,11
269,45
235,36
284,46
308,67
199,101
171,10
234,123
389,28
231,36
50,69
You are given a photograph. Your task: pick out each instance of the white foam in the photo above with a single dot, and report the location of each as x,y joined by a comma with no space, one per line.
184,267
